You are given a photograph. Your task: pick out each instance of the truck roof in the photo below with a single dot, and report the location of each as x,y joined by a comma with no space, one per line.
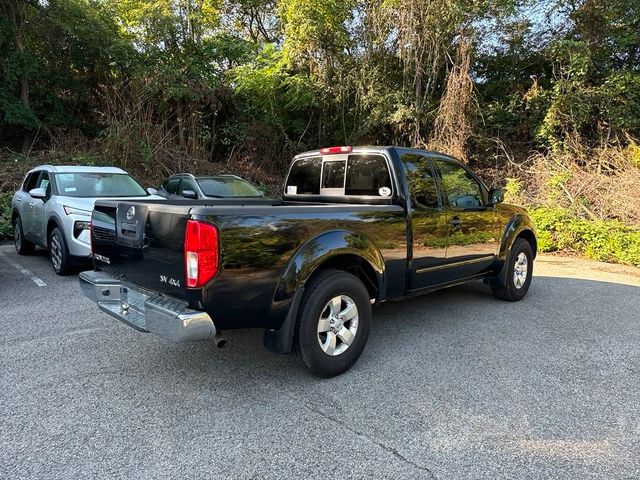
366,149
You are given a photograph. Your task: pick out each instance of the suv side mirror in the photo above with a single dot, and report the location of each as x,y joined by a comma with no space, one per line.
40,193
152,191
496,195
189,194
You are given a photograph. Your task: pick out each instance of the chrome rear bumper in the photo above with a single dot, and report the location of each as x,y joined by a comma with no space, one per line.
145,311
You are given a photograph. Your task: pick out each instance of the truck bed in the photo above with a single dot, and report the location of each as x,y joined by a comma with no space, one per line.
262,246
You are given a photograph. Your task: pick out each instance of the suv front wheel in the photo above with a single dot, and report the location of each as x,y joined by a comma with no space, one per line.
59,252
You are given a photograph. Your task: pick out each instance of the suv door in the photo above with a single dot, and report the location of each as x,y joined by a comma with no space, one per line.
473,236
22,199
28,204
428,222
38,207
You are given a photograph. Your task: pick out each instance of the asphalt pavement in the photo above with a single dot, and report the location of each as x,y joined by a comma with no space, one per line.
455,384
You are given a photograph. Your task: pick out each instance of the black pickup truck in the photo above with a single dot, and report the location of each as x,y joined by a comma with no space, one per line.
355,227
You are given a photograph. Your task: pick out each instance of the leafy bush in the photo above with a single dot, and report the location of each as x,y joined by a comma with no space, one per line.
608,241
6,229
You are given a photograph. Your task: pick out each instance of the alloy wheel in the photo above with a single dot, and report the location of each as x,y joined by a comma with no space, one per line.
17,235
338,325
520,270
56,252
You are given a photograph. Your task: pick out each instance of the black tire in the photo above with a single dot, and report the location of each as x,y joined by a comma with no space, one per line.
60,259
508,289
23,246
322,288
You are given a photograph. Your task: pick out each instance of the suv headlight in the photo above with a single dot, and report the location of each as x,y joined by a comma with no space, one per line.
79,226
76,211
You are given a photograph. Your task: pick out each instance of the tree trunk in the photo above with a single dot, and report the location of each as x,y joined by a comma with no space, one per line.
17,13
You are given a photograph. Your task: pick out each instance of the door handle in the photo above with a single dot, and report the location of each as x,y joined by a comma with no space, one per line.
18,200
31,204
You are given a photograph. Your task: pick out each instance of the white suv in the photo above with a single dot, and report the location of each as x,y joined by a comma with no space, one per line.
53,209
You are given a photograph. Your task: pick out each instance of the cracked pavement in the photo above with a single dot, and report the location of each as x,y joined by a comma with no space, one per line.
455,384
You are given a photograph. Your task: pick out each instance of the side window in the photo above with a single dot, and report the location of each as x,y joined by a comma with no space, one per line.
460,188
30,181
368,175
171,186
422,184
187,184
304,177
43,182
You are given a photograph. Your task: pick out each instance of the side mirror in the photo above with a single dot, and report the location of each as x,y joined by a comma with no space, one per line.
40,193
189,194
496,195
152,191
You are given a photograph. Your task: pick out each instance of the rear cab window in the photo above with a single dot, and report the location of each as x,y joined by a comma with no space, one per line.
356,174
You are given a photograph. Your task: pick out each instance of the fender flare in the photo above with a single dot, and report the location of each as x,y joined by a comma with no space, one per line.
304,263
55,218
517,224
315,252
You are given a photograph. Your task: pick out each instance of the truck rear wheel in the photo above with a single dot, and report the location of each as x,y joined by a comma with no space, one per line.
333,323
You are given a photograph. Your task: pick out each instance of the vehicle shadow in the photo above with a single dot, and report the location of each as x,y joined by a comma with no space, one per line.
463,326
76,267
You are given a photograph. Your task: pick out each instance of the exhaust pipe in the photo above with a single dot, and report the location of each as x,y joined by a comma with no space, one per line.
220,340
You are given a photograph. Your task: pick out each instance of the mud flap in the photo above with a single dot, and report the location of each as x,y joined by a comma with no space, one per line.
281,341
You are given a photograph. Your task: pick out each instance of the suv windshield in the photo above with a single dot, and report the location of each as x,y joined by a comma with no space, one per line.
227,187
90,184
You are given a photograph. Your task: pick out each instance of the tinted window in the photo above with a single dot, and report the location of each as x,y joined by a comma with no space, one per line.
304,177
227,187
89,184
422,184
187,184
333,174
368,175
171,186
459,186
30,181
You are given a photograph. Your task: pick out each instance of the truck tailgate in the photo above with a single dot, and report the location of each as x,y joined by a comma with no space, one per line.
142,243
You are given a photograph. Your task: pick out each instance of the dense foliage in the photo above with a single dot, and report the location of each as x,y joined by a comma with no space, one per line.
546,92
214,78
607,241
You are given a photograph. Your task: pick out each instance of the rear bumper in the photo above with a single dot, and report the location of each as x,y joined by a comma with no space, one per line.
146,311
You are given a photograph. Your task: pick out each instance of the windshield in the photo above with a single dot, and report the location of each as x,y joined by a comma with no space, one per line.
227,187
89,184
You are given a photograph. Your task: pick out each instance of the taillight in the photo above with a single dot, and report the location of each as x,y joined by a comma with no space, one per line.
200,253
329,150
